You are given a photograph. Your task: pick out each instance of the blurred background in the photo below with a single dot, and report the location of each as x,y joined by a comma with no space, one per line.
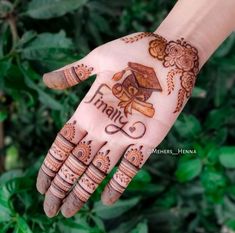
189,192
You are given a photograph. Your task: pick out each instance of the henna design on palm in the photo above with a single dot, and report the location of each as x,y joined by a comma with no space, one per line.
182,58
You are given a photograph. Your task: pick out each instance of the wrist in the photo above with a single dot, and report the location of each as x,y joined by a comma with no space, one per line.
205,26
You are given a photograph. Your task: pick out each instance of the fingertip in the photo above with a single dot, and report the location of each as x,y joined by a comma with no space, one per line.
71,205
110,195
43,182
51,204
55,80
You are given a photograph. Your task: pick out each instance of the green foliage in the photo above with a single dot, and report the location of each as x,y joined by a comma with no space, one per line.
176,192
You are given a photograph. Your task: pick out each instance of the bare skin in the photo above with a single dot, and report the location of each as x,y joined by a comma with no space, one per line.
143,82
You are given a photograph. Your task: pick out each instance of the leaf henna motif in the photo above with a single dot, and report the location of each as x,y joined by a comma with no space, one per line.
184,58
132,39
170,79
180,101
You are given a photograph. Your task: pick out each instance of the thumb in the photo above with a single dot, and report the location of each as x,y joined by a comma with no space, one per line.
72,74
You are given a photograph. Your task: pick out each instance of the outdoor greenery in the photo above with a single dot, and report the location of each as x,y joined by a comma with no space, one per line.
191,193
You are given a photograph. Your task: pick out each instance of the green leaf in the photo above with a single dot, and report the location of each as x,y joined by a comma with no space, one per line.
26,38
227,156
43,97
119,208
5,208
12,158
219,117
48,46
213,180
199,92
22,226
3,116
187,126
188,169
5,8
231,225
226,47
46,9
141,228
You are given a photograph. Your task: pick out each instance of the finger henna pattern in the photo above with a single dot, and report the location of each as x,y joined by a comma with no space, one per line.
93,176
72,169
127,169
76,74
83,151
102,161
183,60
59,150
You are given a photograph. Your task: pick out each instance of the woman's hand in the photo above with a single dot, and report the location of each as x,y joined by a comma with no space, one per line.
142,84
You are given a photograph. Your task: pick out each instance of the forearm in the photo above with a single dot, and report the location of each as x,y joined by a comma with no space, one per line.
205,24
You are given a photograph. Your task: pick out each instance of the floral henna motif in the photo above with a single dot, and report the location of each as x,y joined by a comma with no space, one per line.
183,58
178,55
83,151
138,84
77,74
136,37
102,161
157,47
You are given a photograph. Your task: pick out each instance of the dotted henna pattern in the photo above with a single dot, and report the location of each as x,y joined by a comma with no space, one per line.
76,74
102,161
83,71
88,183
83,151
137,37
135,156
68,131
183,60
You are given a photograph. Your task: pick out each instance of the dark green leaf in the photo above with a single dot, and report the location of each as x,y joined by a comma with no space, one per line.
119,208
187,126
46,9
188,169
227,156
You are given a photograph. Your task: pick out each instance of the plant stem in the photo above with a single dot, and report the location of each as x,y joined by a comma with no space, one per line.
1,147
12,23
